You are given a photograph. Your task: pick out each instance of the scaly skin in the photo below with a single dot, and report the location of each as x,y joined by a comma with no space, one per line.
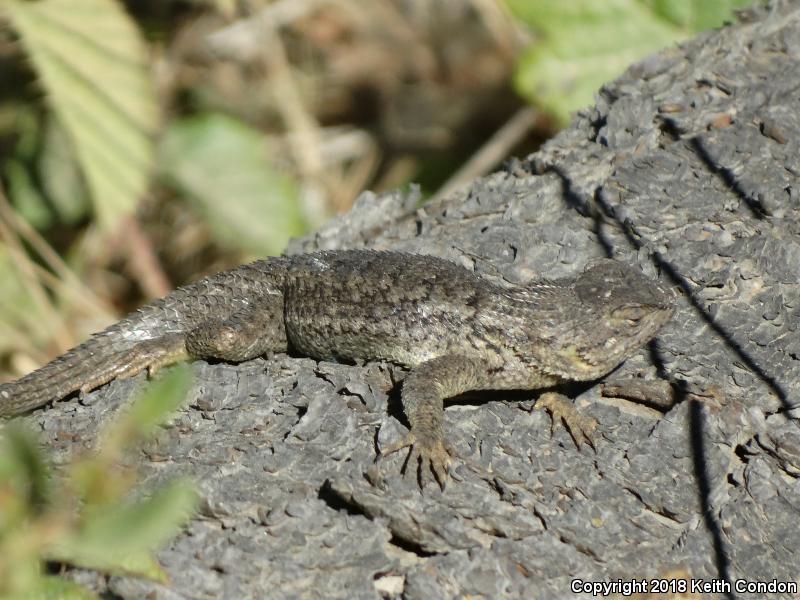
152,336
455,331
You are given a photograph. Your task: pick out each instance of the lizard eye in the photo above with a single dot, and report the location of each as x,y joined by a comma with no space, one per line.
630,313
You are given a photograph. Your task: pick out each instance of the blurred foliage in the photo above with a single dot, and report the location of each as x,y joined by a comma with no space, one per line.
86,516
586,43
93,66
15,303
223,166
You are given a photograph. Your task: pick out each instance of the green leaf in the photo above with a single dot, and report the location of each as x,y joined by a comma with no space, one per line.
44,181
222,165
157,401
60,175
24,195
140,564
116,541
100,489
22,466
93,64
586,43
51,587
697,15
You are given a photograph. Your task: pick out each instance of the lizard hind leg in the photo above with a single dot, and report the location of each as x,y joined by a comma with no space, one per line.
580,427
244,335
150,355
95,362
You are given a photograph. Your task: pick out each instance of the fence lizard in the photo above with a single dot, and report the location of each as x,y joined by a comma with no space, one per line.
454,330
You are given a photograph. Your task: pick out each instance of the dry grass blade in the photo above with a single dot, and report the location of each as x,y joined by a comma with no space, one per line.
31,282
67,283
492,152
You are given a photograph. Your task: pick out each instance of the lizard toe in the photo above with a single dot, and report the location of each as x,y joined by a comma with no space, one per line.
432,461
438,463
426,461
580,427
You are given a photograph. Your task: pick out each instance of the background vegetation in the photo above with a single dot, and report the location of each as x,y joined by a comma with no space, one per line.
86,515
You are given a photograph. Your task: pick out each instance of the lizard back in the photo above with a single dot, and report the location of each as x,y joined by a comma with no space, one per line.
395,306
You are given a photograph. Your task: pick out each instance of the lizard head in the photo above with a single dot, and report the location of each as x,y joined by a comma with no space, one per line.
622,310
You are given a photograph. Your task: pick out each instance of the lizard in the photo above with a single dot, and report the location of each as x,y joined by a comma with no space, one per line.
454,331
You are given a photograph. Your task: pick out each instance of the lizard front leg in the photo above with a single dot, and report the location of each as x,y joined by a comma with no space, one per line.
424,391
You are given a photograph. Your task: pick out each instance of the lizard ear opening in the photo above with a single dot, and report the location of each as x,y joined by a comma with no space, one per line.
632,312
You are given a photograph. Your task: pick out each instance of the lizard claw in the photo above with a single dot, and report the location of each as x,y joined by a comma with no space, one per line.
580,427
426,457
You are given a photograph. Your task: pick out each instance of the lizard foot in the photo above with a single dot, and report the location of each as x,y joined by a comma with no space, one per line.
561,410
427,456
659,394
151,355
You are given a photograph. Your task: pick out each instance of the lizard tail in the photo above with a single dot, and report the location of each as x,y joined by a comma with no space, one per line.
70,372
148,338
